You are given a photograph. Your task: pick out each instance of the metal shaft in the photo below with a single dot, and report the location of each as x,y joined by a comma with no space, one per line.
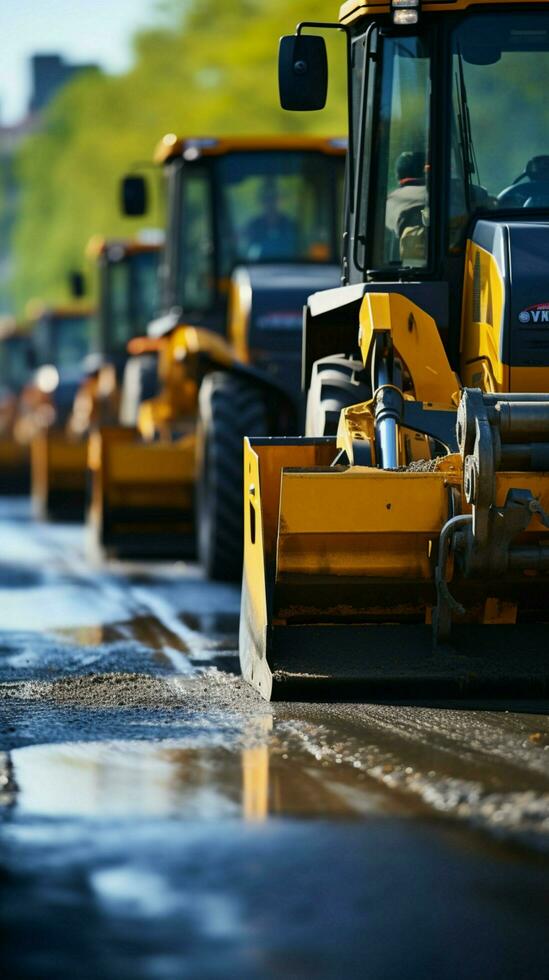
529,556
524,456
388,411
521,421
494,397
387,433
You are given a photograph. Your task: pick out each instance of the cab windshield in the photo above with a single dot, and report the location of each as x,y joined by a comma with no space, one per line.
144,289
70,341
277,207
401,155
270,206
499,132
133,292
14,362
500,117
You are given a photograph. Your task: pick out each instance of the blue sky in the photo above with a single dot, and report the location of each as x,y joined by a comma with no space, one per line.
81,30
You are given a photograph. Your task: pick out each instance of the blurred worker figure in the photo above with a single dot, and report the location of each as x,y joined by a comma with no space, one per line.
406,206
405,203
271,234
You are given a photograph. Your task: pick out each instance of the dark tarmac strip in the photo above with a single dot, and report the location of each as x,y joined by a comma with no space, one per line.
157,820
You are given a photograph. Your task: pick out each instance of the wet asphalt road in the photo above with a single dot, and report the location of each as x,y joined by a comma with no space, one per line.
157,820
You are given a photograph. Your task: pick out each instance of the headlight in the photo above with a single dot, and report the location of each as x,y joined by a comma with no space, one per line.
405,12
47,379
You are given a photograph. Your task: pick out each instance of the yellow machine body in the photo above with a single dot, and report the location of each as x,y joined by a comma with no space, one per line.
60,451
58,474
14,465
179,374
57,462
355,10
12,455
187,350
97,401
172,146
143,478
340,558
408,555
482,328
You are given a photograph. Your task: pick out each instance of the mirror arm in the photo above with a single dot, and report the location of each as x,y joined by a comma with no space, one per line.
328,25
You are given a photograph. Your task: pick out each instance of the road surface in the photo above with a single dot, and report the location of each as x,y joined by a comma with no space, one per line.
158,820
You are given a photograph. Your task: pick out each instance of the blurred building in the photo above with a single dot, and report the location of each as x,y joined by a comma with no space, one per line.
49,74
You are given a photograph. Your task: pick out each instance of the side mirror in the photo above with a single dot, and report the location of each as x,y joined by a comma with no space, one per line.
302,72
134,196
77,284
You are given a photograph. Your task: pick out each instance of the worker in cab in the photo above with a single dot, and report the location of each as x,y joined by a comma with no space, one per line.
405,215
272,234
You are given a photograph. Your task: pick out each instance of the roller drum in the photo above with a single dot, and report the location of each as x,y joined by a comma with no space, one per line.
532,456
521,421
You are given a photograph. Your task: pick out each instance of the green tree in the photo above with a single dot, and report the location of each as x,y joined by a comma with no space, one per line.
203,68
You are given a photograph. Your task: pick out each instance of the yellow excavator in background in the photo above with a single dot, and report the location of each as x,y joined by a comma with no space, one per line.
405,553
127,274
15,369
60,341
252,229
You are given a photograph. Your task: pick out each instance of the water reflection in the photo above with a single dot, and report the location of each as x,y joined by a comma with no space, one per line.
146,630
210,639
140,778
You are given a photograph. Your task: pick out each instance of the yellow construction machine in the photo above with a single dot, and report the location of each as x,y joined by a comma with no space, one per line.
127,292
252,229
60,341
126,272
14,372
401,547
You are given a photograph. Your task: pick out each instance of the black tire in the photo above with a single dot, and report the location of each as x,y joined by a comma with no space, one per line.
336,382
140,382
229,408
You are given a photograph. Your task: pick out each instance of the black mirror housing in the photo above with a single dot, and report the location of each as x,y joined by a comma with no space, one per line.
134,196
77,284
302,72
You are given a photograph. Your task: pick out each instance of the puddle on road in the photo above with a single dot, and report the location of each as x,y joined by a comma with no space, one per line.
220,626
147,631
90,636
207,639
16,575
179,779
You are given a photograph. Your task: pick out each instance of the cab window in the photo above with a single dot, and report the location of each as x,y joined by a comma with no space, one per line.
500,149
401,141
196,242
279,207
120,320
144,267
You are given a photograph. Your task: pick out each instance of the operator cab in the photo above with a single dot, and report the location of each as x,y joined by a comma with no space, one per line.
456,95
449,128
128,296
61,340
14,360
233,203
